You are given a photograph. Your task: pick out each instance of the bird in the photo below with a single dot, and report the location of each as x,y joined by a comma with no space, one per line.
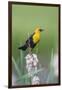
32,40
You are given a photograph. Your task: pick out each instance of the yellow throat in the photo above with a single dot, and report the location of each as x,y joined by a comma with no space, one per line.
36,36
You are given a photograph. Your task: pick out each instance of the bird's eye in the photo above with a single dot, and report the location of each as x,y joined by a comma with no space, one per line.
41,30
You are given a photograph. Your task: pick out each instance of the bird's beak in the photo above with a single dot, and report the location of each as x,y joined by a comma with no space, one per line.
41,30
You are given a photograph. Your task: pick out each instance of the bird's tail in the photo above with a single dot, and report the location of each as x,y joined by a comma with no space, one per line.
23,47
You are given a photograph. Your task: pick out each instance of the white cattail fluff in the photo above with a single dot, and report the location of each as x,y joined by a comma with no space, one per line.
35,80
55,65
31,63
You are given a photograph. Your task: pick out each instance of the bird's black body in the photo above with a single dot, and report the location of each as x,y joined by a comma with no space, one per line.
28,43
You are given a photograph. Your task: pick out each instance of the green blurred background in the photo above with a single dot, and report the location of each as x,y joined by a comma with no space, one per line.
25,19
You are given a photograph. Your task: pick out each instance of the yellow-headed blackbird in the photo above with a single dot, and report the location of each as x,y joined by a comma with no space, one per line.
32,40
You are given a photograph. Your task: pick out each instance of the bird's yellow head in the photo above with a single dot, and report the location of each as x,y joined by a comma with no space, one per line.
38,30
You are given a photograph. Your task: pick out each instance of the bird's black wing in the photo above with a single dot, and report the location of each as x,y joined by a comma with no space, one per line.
30,41
31,37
